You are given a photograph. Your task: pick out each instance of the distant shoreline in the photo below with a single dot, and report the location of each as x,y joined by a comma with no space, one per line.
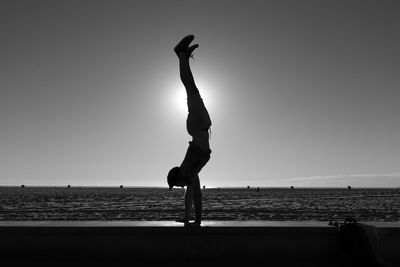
207,188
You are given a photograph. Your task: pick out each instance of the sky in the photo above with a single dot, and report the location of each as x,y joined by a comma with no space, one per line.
302,93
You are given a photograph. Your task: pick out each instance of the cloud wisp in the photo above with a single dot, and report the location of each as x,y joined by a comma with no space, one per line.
344,176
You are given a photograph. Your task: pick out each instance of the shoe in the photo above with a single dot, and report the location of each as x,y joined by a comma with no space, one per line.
183,45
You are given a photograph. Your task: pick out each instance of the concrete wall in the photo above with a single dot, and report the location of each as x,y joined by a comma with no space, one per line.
97,244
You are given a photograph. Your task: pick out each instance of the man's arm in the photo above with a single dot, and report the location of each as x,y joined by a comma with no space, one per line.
198,205
193,192
188,201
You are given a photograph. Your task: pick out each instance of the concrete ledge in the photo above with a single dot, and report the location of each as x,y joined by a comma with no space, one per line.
282,243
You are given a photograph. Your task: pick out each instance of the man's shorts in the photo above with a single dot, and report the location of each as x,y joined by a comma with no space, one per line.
198,118
195,159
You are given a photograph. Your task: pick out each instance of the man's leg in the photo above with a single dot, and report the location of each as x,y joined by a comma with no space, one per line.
186,74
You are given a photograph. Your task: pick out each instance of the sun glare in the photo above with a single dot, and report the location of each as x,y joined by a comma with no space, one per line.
179,98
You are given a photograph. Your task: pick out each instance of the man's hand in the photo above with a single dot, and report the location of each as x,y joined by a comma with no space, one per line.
183,220
193,225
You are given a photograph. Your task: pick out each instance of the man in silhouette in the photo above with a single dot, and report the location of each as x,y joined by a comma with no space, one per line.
197,124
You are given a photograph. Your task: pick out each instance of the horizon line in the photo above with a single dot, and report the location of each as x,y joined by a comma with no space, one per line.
211,187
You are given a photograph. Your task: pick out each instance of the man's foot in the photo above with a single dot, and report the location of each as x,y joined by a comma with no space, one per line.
183,46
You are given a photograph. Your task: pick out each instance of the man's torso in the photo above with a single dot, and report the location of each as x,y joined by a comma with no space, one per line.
195,159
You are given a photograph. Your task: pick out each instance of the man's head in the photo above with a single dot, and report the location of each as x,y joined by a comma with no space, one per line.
175,178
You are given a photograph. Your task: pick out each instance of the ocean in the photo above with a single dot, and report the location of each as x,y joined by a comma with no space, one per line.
239,204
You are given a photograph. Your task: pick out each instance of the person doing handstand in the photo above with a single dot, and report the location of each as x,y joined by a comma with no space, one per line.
198,124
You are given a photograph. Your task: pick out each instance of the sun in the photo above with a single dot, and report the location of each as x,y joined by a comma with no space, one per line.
179,99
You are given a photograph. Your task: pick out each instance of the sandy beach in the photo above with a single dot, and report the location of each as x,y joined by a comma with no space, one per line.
148,204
